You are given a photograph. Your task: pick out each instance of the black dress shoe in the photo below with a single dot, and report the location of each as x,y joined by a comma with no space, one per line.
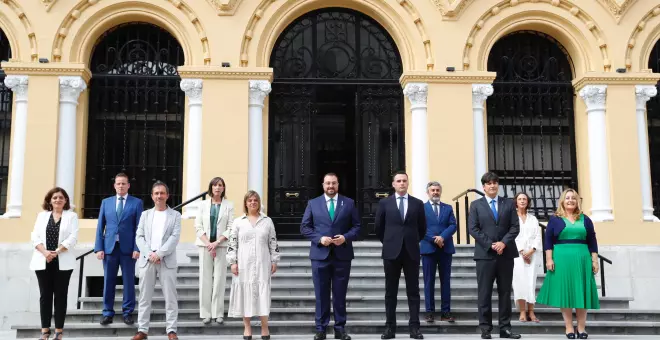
128,319
319,336
508,334
416,334
447,317
342,335
485,334
388,334
106,320
583,335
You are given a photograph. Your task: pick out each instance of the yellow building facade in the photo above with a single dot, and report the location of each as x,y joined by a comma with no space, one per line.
548,93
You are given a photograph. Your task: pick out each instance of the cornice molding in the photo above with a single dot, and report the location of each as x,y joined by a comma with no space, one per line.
594,78
54,69
443,77
230,73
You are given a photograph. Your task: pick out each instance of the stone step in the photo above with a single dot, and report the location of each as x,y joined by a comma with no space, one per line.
309,301
354,336
374,327
360,314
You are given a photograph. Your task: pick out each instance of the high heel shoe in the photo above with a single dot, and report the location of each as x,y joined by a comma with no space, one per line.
58,335
583,335
47,334
247,337
265,337
571,335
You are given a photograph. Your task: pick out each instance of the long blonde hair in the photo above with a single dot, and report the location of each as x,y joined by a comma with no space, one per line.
561,212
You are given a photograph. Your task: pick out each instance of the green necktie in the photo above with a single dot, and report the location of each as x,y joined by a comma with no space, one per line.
332,209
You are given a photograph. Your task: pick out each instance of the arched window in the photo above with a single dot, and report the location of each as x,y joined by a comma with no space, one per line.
653,120
136,114
5,123
531,137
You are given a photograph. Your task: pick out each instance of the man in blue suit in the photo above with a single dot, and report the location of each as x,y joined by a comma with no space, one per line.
437,248
331,223
119,217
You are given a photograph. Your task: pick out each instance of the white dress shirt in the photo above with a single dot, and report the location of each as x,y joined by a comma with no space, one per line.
327,201
123,203
157,229
488,199
405,203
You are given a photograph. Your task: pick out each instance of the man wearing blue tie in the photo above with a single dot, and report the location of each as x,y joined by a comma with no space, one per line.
437,249
115,245
331,223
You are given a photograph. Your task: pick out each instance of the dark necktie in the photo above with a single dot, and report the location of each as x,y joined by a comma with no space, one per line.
120,207
401,210
435,210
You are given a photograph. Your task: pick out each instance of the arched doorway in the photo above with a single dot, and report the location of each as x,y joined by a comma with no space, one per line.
531,126
336,106
5,123
653,120
136,114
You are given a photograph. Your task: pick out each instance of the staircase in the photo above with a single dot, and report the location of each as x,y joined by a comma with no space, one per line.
292,308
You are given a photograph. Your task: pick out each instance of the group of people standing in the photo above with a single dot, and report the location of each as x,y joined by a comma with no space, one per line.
507,251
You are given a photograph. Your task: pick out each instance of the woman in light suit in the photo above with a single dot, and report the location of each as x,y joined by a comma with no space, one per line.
54,235
212,225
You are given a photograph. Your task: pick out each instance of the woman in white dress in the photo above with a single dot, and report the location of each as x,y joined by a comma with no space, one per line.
253,254
528,265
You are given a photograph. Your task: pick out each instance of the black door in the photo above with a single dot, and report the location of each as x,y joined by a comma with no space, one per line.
336,106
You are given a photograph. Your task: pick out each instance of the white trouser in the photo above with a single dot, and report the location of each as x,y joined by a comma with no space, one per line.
167,277
212,279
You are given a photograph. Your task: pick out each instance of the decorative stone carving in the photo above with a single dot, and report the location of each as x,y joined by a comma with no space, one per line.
19,85
417,93
643,93
193,90
225,7
259,89
70,89
48,4
594,96
479,94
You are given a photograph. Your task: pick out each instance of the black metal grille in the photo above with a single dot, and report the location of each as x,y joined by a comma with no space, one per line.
5,123
653,117
136,114
336,106
531,137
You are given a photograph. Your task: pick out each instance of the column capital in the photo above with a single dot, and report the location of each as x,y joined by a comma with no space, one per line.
19,85
70,88
594,96
644,93
479,94
193,90
259,89
417,93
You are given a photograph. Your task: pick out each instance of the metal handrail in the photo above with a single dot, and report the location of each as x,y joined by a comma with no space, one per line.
82,256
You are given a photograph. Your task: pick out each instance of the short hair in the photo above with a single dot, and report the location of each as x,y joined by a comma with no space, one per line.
251,193
515,200
490,177
331,174
433,184
49,195
400,172
561,212
215,181
121,174
160,184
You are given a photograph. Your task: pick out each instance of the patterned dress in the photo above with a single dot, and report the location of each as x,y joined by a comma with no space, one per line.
254,248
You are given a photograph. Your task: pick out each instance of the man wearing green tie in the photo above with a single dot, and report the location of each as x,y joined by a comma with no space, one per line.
331,223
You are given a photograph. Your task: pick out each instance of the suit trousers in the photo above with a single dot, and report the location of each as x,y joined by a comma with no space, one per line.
167,277
53,282
498,270
330,275
212,280
392,275
442,262
111,264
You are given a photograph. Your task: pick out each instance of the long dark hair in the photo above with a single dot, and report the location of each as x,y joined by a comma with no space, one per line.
49,195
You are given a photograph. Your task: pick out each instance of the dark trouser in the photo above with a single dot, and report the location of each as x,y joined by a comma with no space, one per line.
111,264
489,271
392,276
330,275
53,282
442,262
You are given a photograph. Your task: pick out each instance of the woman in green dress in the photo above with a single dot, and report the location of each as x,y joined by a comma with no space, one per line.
572,261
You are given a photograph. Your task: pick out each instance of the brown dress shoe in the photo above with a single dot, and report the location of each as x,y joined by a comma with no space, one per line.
172,336
140,336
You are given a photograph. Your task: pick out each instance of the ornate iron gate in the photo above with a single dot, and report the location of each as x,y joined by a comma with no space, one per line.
531,137
136,114
336,106
653,118
5,123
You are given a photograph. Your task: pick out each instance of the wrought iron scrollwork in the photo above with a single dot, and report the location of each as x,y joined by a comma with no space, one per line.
653,121
6,100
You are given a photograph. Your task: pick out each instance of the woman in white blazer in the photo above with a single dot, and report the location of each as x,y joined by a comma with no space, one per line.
54,235
212,225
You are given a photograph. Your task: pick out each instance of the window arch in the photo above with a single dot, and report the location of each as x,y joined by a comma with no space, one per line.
6,99
653,121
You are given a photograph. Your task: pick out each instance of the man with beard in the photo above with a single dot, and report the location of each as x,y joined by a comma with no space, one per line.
331,223
437,248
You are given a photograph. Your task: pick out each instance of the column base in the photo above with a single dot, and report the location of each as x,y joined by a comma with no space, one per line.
12,212
601,215
648,215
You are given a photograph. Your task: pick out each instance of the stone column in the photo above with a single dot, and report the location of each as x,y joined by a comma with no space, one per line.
19,85
65,175
193,90
480,92
599,172
259,89
417,93
642,94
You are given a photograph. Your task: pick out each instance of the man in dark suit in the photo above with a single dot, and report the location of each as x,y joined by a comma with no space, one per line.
331,223
400,225
493,223
119,217
437,249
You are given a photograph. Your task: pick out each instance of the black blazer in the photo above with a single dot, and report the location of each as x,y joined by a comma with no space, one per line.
393,233
486,231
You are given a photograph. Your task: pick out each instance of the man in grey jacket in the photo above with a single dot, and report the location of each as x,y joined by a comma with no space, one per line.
157,237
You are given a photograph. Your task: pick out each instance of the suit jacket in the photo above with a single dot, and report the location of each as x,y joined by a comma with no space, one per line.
109,225
316,223
171,234
556,225
223,225
443,225
394,233
486,231
67,238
